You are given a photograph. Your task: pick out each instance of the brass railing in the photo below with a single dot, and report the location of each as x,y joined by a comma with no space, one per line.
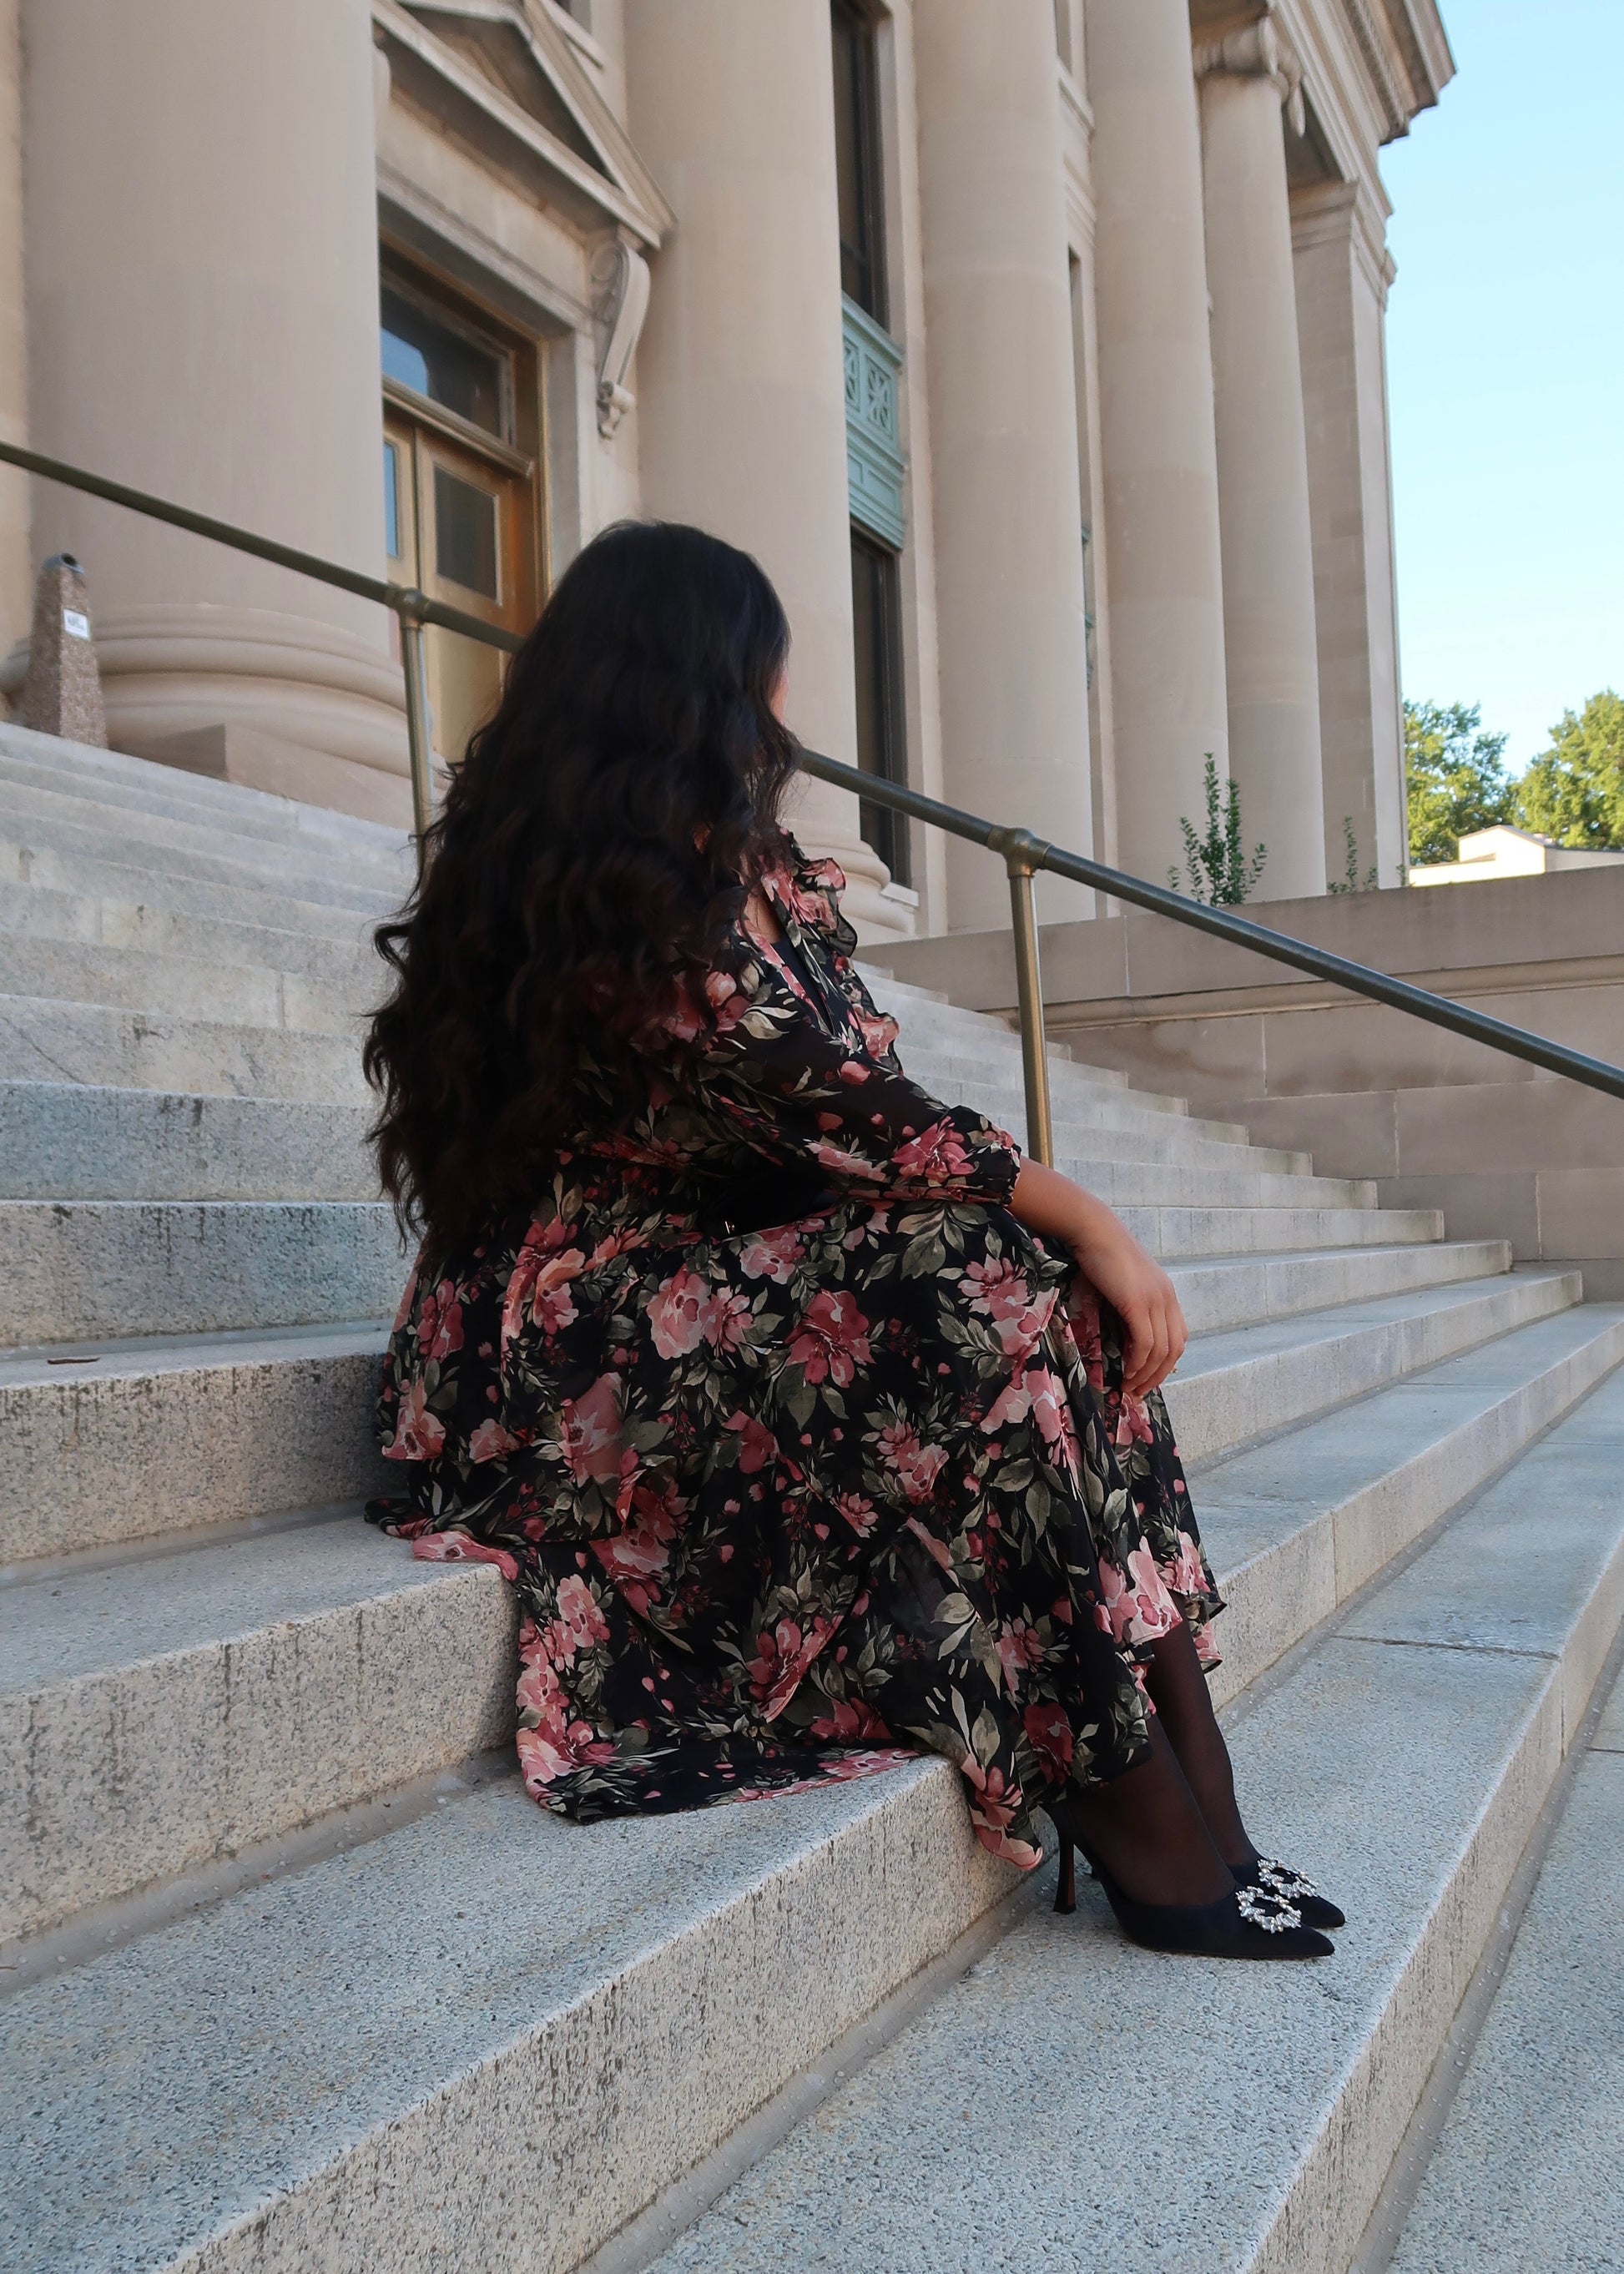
1024,855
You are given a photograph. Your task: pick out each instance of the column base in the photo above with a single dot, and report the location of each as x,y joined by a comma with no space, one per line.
280,703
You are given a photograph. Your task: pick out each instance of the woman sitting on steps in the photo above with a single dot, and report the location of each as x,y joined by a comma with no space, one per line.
812,1424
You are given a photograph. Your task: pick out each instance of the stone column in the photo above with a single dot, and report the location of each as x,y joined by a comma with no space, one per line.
1268,569
1157,445
1003,440
1342,273
739,378
202,246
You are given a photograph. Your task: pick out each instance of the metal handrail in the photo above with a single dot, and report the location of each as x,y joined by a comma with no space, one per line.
1024,855
413,609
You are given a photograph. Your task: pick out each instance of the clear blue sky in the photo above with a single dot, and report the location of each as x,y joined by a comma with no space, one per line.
1506,352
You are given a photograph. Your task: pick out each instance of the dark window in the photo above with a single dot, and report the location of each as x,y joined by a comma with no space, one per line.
857,159
423,352
877,624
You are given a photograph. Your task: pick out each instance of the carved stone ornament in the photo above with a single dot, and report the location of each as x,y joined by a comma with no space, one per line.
619,303
1258,51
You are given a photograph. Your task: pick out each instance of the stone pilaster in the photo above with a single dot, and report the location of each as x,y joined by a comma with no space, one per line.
741,388
1342,274
1158,449
202,243
1003,437
1270,655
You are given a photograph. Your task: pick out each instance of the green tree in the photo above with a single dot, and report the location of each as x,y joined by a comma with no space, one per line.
1575,791
1457,776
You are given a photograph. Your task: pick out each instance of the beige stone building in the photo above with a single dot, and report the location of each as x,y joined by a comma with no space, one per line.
1036,348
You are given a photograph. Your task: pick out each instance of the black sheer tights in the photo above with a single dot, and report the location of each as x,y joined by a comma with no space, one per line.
1183,1704
1169,1831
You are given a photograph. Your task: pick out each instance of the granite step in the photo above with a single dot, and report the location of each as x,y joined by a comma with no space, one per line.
1247,1382
47,1040
102,1446
416,2043
176,987
142,833
106,779
1403,1760
83,1270
202,1670
88,1141
113,877
345,961
1526,2172
116,1441
74,1271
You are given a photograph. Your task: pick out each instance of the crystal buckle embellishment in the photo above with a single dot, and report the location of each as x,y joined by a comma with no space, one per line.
1283,1881
1267,1907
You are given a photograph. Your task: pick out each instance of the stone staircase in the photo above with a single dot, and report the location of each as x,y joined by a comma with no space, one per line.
295,1976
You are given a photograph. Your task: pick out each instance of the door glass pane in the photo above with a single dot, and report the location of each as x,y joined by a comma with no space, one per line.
430,356
391,501
464,533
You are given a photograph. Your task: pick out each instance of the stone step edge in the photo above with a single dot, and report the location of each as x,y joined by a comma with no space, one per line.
1328,2201
1277,1596
408,2148
147,1390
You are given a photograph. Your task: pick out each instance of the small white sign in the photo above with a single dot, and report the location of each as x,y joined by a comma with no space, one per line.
76,625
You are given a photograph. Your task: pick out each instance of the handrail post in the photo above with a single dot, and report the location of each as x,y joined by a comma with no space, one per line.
419,734
1022,856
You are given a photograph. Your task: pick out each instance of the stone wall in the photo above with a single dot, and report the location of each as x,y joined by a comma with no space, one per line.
1437,1120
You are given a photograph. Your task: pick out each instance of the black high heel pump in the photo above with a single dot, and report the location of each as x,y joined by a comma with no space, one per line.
1255,1921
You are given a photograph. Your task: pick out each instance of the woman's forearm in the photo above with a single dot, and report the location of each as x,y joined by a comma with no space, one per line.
1053,1207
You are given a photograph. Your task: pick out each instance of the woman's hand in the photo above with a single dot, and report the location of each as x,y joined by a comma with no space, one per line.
1112,1261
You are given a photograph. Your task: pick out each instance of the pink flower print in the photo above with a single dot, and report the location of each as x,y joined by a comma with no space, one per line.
440,1323
418,1433
1048,1734
1051,1411
860,1514
1012,1403
677,1313
771,1254
634,1557
830,1340
462,1548
994,1807
728,1001
852,1721
1133,1421
781,1659
915,1466
940,1554
592,1431
541,1273
936,1156
1185,1575
757,1445
1019,1645
725,1320
1001,1295
579,1613
878,1031
491,1442
1083,1309
1134,1606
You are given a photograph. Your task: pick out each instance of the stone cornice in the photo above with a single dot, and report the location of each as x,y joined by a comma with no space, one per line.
611,189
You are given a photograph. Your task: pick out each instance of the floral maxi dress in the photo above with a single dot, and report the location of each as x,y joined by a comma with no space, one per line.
802,1453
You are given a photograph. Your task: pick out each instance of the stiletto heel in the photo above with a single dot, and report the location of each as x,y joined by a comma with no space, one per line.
1254,1922
1066,1886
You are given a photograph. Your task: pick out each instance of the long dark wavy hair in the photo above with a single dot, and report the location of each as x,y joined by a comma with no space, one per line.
596,842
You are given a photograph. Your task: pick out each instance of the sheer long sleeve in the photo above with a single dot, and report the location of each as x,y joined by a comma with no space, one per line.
803,1099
